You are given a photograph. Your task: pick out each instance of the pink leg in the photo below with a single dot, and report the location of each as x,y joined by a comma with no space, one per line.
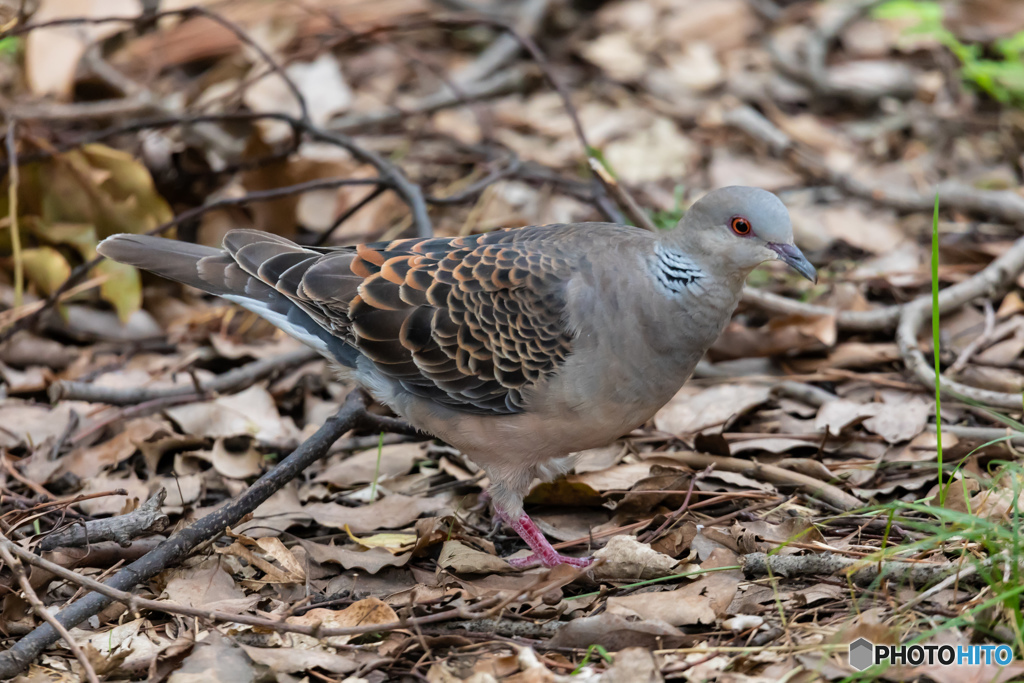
543,554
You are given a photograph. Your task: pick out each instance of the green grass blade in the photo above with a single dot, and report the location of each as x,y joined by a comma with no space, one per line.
935,344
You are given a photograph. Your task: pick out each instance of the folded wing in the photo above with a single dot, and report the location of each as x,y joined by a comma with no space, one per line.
468,322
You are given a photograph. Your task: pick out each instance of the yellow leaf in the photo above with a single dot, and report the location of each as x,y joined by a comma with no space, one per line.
80,236
130,189
122,287
46,268
393,543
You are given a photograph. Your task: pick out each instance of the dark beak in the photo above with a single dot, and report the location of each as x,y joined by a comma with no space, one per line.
796,260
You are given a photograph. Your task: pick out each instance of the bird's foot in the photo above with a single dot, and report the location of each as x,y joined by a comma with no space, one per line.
544,555
552,559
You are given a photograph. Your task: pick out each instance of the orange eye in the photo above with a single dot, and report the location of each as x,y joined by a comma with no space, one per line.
741,226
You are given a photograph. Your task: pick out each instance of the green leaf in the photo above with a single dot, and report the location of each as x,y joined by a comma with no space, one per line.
925,11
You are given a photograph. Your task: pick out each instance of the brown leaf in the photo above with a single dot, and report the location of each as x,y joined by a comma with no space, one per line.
52,54
251,412
616,632
370,560
462,559
701,602
392,512
694,410
627,559
294,660
88,462
366,612
209,586
216,659
395,459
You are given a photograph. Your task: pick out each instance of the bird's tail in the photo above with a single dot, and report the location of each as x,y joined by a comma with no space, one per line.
179,261
216,271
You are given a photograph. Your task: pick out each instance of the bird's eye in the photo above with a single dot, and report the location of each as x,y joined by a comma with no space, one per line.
740,226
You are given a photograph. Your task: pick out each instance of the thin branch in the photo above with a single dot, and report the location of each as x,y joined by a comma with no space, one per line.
997,205
809,486
503,50
861,571
147,519
352,415
6,554
228,382
995,277
621,195
325,236
493,86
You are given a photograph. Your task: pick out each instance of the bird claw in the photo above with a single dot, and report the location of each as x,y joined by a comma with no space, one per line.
544,555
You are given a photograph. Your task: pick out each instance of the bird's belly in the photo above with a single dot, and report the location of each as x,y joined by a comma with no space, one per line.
561,418
528,439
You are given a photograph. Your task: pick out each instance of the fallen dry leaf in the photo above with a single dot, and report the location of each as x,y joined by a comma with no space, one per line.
627,559
368,612
360,468
52,54
691,410
462,559
251,412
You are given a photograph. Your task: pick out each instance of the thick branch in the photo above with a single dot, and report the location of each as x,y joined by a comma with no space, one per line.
123,528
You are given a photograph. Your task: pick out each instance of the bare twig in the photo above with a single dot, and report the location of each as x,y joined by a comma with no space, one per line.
325,236
861,571
996,276
650,536
621,195
958,575
228,382
353,414
123,528
997,205
510,167
503,50
989,334
814,74
809,486
499,84
39,608
982,434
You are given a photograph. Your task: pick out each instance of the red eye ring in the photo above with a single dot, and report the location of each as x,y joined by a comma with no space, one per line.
740,226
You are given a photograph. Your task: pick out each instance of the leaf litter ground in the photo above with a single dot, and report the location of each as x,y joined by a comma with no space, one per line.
804,436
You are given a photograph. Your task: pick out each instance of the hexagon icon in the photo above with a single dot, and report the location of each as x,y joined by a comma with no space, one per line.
861,654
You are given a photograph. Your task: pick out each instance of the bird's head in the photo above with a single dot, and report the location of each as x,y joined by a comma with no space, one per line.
736,228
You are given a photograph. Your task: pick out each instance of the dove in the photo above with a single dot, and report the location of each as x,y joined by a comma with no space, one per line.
518,347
